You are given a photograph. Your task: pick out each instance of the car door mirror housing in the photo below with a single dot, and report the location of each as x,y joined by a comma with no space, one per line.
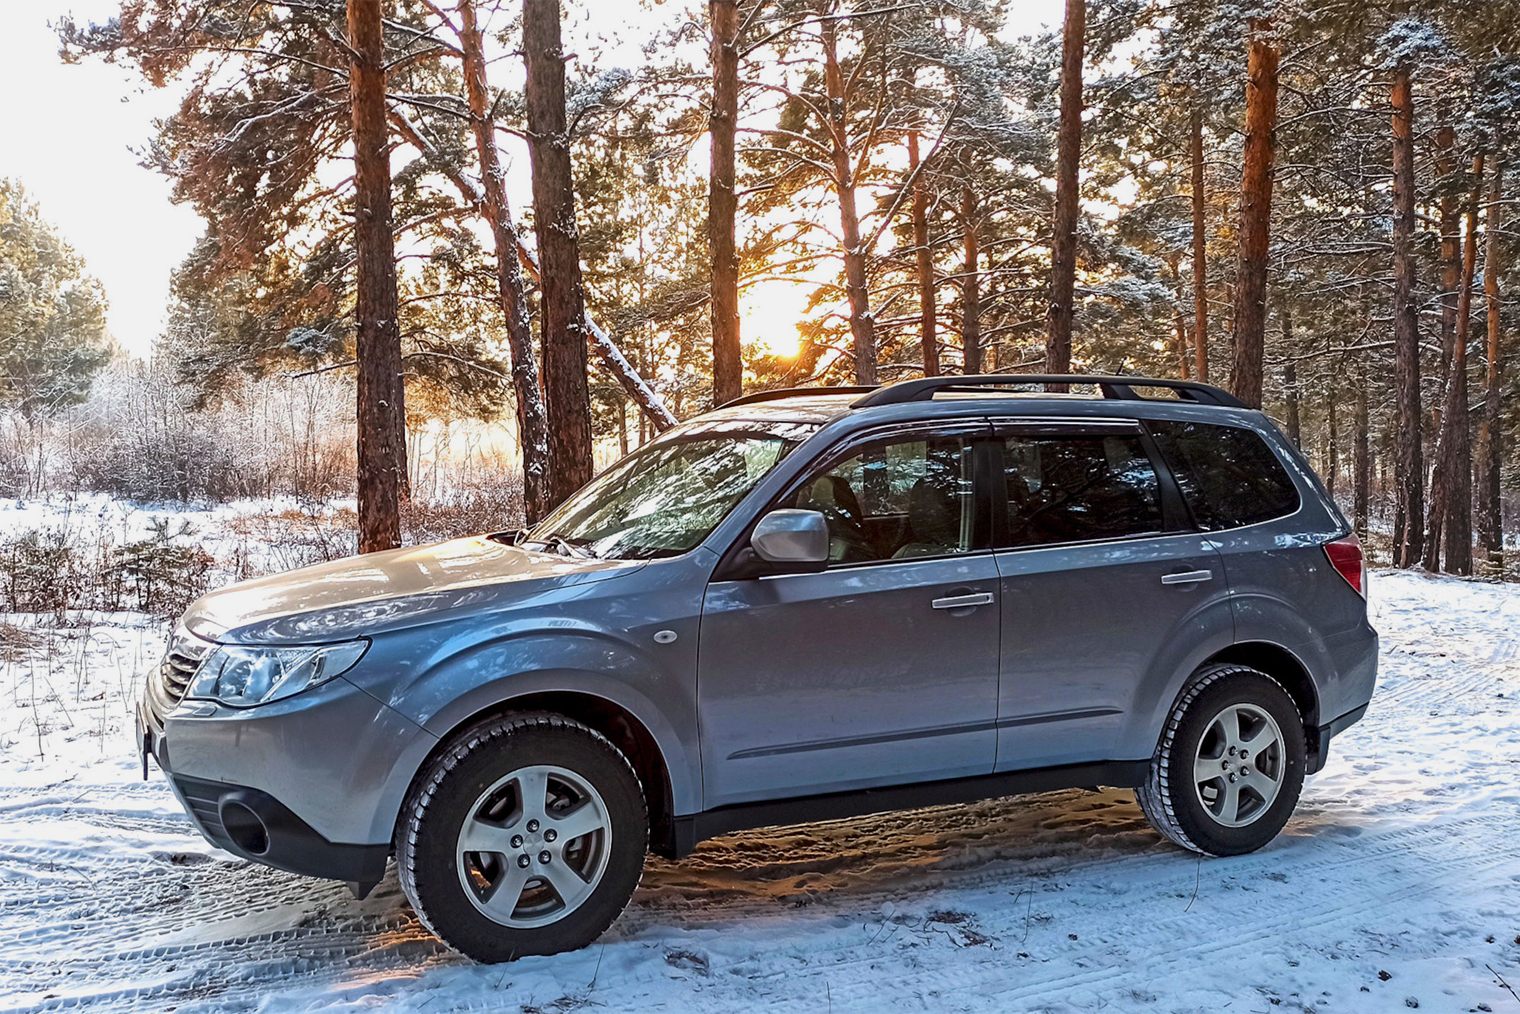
792,538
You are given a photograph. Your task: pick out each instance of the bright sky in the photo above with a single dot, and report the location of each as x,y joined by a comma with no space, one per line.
68,134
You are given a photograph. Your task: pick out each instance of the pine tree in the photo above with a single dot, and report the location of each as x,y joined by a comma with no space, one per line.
722,203
532,425
53,337
1409,503
377,344
563,302
1255,215
1063,248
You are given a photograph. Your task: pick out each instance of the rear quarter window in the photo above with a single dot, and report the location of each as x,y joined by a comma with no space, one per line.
1228,474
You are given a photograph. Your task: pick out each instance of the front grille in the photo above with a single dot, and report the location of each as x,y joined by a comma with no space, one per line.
168,684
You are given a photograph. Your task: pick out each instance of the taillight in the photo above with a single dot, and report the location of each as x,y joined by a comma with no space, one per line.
1349,562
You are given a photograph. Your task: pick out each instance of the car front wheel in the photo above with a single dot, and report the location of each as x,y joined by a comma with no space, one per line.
526,835
1228,770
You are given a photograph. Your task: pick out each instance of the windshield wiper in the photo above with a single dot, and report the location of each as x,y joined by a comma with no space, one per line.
564,545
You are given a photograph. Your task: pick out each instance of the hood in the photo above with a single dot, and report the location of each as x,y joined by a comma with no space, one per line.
398,587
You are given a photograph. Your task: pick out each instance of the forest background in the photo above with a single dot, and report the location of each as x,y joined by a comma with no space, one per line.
454,256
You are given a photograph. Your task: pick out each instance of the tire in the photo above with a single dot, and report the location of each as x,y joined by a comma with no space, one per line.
1250,800
526,789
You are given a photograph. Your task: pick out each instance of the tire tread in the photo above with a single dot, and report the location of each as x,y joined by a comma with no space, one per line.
1155,795
464,745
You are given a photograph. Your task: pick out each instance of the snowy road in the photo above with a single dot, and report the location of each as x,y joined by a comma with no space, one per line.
1398,882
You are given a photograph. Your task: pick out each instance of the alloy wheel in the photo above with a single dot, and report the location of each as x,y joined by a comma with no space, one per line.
534,846
1238,770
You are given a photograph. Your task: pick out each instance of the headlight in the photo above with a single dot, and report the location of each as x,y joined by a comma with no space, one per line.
242,676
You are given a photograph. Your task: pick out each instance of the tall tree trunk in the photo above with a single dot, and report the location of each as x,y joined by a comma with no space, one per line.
1063,239
1200,248
1290,395
1332,448
1255,214
971,287
381,392
1290,373
1179,321
1451,488
1184,353
1451,251
1490,520
1409,481
927,303
532,427
862,321
722,203
562,298
1360,458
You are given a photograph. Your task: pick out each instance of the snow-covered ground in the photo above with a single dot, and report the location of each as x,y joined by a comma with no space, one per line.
1396,885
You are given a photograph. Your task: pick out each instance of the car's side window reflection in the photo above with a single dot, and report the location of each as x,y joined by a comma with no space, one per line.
896,499
1079,487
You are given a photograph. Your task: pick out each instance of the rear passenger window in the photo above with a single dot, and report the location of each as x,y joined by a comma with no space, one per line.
1228,474
1079,487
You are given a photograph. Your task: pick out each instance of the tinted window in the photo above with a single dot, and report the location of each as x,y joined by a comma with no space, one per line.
1228,474
1079,487
896,499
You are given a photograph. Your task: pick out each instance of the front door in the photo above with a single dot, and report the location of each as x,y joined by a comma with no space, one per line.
1100,582
883,668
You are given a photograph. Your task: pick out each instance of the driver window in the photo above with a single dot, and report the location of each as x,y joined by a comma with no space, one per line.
896,499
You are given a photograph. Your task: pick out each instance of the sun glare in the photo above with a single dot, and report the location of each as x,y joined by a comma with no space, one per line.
769,313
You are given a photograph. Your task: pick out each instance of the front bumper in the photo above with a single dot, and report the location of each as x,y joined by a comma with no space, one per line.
311,784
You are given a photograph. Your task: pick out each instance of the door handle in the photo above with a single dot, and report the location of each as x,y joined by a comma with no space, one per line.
1188,577
963,601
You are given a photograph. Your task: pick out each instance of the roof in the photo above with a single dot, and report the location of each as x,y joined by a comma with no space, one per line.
822,404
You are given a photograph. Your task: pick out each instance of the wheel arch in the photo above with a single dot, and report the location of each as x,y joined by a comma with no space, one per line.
1289,670
621,726
1283,666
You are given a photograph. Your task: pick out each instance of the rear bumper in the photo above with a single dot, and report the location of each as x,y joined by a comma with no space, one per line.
1319,749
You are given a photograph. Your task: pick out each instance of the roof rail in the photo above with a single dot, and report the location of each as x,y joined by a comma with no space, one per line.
1119,388
794,392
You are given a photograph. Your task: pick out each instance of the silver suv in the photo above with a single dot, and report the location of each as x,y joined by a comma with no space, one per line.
805,605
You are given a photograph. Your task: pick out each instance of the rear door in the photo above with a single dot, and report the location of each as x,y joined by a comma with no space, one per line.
1101,579
1270,533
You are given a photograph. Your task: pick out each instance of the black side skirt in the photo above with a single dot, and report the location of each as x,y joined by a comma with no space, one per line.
692,828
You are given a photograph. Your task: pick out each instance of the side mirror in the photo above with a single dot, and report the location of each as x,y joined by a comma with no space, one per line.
798,538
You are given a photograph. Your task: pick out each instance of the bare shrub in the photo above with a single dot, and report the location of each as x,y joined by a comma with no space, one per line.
162,576
66,567
279,540
41,572
492,502
139,438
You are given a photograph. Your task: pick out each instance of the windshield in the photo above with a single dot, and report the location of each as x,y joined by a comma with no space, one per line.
664,499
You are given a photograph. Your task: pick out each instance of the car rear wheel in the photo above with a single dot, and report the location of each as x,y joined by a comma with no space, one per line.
1228,770
524,836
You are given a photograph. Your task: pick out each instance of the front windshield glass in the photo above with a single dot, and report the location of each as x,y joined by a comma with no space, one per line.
664,499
